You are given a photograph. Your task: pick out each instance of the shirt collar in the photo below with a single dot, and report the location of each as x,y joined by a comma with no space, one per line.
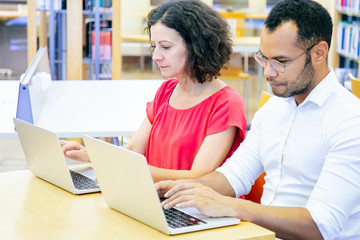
320,94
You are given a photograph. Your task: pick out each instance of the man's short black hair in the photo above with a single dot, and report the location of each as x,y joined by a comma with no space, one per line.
312,20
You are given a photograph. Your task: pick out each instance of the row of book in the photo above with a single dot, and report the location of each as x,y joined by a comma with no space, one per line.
89,5
104,43
349,6
104,5
348,39
47,4
104,71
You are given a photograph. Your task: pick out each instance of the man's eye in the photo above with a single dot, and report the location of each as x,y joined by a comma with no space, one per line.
283,61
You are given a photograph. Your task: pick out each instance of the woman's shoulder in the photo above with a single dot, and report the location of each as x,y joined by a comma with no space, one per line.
169,84
165,90
230,94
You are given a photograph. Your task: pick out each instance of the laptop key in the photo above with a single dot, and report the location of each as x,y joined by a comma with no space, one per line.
178,219
82,182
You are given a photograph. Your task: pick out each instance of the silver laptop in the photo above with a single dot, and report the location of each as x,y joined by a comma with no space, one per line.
127,186
46,160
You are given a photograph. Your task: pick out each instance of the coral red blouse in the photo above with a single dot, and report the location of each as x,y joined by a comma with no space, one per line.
177,135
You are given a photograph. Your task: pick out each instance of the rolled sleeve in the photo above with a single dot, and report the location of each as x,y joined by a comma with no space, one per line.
334,202
244,166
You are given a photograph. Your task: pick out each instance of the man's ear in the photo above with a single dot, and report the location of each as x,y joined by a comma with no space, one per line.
320,52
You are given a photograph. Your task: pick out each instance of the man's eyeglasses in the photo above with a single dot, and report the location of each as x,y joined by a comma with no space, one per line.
275,64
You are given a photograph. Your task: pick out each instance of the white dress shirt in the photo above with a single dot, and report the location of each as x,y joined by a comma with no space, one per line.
311,155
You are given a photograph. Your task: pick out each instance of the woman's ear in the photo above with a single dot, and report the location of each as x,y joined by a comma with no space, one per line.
320,52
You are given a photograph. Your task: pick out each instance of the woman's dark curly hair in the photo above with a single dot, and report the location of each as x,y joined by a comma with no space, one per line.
204,31
312,20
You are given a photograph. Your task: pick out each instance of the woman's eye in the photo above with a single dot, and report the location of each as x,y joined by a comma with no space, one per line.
159,46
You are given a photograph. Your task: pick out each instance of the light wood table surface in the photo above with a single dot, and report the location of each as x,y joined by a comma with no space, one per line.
34,209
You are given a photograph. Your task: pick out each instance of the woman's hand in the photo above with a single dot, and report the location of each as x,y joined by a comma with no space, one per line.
74,150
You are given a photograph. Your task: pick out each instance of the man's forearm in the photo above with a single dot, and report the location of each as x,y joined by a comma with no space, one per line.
218,182
286,222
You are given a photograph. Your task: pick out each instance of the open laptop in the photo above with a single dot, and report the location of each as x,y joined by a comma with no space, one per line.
46,160
127,186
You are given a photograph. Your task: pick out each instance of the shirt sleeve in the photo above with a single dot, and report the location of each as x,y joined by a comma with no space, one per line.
336,195
244,166
150,112
161,95
228,111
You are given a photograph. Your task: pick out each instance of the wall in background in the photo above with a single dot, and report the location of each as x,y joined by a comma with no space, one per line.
132,16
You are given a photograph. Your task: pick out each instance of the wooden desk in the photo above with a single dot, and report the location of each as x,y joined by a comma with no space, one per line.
243,44
6,15
256,15
34,209
136,38
246,44
136,45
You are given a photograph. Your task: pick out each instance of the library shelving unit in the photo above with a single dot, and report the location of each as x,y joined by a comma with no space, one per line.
348,34
64,31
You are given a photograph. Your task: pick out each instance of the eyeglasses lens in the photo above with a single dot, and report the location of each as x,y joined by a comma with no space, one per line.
277,66
259,59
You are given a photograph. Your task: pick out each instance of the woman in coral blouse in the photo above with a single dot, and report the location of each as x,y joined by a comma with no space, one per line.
195,121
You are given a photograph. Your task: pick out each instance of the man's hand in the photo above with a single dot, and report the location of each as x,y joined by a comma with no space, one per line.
164,186
189,194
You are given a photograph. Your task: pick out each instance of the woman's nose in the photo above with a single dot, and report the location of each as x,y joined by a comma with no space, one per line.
156,56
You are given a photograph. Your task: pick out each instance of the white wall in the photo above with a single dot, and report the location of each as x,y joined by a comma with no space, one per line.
209,2
257,5
132,14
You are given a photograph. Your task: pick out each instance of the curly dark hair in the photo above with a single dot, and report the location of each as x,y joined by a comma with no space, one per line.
205,32
312,20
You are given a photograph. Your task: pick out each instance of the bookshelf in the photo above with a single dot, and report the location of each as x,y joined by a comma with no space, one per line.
66,32
348,34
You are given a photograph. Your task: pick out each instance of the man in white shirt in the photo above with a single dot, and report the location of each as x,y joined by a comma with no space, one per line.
306,138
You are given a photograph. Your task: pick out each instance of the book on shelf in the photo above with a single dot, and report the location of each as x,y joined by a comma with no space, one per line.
104,39
45,4
104,45
105,5
349,6
348,39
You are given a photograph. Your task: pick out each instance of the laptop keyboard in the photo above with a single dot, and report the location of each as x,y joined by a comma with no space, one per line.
82,182
178,219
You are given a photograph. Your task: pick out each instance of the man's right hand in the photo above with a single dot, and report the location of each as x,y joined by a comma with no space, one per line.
163,187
